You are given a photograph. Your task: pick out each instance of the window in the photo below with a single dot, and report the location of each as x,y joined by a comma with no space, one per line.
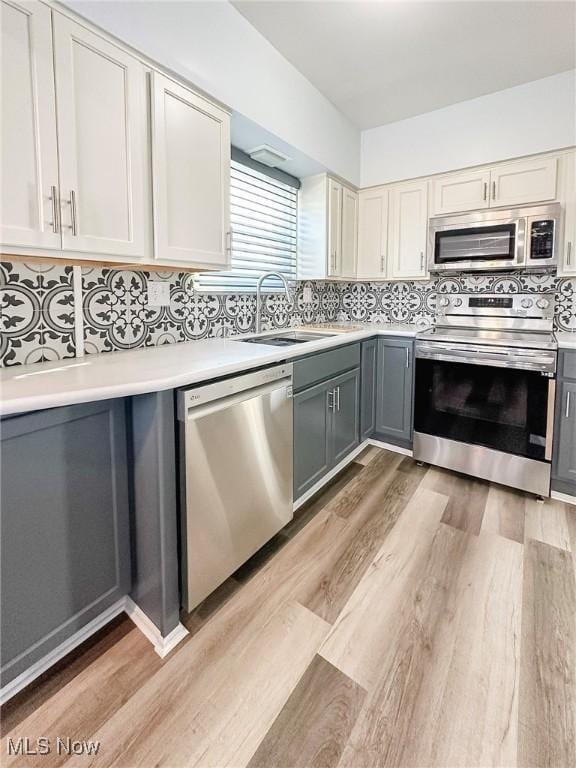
263,218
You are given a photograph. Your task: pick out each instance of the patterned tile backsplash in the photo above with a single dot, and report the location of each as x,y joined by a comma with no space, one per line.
41,309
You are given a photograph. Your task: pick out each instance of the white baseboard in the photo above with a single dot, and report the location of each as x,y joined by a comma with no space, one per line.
327,477
390,447
34,671
344,463
162,645
565,497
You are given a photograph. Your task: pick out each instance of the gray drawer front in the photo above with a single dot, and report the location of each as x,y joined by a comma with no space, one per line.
316,368
567,367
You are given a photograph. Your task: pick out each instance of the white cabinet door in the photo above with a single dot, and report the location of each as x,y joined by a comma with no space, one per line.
530,181
461,192
334,228
408,226
567,251
372,234
191,176
101,108
29,170
349,233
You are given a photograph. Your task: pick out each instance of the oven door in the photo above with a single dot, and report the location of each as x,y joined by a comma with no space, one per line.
476,245
509,410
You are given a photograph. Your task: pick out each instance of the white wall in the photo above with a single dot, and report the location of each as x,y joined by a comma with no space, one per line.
523,120
213,46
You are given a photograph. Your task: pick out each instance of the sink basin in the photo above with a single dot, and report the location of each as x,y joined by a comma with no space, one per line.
287,339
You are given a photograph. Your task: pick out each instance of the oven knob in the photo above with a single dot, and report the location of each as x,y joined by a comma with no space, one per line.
444,301
526,303
542,303
457,302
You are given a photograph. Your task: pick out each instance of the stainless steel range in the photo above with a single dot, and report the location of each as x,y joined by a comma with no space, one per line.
485,387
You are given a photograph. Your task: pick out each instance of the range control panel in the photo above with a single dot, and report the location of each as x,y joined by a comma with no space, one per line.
522,305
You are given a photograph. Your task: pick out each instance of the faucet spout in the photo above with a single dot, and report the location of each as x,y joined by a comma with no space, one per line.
265,276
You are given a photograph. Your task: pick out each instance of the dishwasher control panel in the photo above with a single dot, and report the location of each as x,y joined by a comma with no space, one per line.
226,388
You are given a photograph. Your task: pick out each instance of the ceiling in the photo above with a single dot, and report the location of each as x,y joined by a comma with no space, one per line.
382,61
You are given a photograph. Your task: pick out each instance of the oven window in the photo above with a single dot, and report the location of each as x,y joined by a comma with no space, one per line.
495,243
500,408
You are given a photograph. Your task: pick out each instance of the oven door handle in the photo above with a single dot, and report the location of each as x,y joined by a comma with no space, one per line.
550,419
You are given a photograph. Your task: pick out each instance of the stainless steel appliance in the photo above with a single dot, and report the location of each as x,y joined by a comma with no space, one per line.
522,238
485,388
236,458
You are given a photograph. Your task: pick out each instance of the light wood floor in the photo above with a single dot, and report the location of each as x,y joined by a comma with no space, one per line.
408,616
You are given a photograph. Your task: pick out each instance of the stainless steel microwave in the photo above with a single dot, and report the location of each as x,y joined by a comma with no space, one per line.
522,238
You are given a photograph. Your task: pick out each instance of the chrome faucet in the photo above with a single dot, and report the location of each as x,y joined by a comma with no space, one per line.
266,275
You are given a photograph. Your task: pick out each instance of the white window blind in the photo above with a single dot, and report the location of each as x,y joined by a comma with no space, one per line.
263,217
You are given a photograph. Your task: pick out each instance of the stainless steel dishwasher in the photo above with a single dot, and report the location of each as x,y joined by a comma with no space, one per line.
236,469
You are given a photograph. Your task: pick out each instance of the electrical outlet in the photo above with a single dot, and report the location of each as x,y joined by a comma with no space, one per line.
158,293
307,294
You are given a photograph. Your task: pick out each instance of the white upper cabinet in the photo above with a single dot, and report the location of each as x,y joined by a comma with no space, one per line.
529,181
372,234
349,247
191,173
567,252
506,185
408,231
101,108
461,192
335,190
29,170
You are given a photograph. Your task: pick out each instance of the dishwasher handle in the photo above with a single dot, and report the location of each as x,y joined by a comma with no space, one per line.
192,411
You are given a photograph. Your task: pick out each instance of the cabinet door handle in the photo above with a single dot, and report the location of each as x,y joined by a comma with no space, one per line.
485,190
493,190
569,254
74,224
383,263
421,259
55,218
338,399
567,414
229,241
407,358
331,400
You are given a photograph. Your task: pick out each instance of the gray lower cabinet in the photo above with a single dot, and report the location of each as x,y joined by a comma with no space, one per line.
564,464
344,416
326,427
311,437
394,391
368,388
65,551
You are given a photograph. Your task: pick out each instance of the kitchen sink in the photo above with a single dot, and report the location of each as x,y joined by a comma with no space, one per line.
287,339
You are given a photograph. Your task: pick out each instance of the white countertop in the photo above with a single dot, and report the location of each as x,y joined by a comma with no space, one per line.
152,369
566,340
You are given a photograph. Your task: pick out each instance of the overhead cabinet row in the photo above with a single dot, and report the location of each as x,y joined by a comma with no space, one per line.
88,132
393,219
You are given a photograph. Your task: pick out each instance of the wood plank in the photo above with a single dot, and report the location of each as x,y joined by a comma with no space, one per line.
88,701
546,521
504,513
374,517
367,455
350,498
316,504
366,629
222,714
446,693
315,723
547,717
468,496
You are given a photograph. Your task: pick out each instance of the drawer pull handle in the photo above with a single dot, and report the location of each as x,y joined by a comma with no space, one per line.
567,405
